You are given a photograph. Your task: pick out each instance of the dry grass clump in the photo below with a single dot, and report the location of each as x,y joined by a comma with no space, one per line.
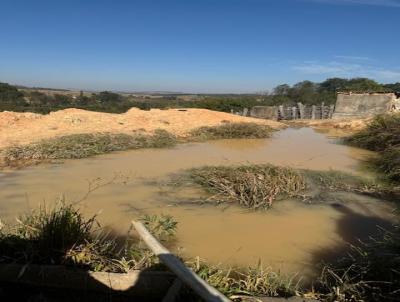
61,235
252,186
382,135
369,272
253,281
341,181
258,186
85,145
389,163
232,130
161,226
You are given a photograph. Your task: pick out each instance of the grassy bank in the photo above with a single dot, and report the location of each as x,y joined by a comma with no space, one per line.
369,272
382,135
85,145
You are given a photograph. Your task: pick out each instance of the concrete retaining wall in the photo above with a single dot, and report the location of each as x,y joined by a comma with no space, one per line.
363,105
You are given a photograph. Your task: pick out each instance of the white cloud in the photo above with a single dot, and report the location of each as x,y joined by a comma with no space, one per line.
390,3
343,69
388,74
328,68
356,58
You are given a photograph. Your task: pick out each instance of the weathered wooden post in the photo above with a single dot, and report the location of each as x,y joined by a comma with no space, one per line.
313,109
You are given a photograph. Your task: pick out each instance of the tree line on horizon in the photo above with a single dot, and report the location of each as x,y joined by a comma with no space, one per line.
306,92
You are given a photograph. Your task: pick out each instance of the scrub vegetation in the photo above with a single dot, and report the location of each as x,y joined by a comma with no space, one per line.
253,186
382,135
252,281
231,130
259,186
61,235
369,272
333,181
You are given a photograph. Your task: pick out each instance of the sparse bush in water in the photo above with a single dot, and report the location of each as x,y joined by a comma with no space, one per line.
232,130
258,186
341,181
161,226
253,186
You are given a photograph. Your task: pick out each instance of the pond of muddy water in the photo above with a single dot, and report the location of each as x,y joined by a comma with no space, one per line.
292,236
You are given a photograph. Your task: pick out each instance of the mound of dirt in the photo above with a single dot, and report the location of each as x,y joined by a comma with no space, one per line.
349,125
23,128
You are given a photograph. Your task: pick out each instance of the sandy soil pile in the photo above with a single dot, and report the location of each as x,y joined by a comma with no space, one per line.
338,124
23,128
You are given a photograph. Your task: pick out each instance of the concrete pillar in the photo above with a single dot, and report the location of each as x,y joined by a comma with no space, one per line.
313,109
294,113
301,110
331,110
282,112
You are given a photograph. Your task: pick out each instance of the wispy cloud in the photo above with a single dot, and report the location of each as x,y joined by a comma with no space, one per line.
343,69
356,58
328,68
390,3
388,74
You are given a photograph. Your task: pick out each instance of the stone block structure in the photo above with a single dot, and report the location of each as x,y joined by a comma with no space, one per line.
358,105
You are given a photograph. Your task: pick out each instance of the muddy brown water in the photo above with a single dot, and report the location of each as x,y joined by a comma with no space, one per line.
291,237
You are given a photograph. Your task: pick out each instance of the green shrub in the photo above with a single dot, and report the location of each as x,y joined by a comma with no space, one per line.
369,272
389,163
381,133
62,235
45,235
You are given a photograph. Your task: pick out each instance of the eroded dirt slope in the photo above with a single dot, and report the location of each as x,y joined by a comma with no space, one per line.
23,128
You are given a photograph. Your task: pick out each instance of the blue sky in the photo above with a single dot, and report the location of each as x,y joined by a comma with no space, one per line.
196,45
